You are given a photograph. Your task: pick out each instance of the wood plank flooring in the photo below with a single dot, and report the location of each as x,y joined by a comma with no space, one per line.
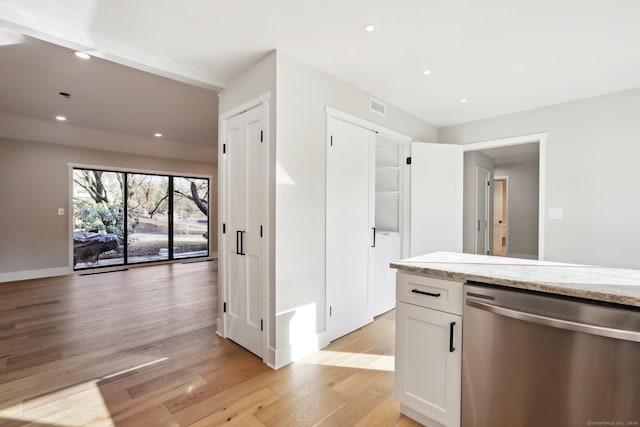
138,348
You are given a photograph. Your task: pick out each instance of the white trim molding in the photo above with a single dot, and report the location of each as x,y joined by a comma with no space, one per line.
138,171
346,117
244,107
283,356
506,142
15,276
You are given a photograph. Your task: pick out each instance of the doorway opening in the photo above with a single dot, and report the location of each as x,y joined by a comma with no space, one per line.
517,169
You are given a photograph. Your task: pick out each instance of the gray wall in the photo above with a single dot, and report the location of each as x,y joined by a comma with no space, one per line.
35,183
522,210
471,160
591,172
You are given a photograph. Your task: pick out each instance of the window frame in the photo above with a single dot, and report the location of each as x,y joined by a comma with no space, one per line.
170,221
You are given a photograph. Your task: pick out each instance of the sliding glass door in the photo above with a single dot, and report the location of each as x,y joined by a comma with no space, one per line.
98,218
125,218
190,217
148,218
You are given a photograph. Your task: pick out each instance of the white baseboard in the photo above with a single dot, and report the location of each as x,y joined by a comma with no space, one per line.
419,417
282,356
15,276
219,327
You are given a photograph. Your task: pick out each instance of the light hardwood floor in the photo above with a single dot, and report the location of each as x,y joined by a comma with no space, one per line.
138,348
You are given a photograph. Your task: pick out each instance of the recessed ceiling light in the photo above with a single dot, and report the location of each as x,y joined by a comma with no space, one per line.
463,100
82,55
369,28
157,135
61,118
426,72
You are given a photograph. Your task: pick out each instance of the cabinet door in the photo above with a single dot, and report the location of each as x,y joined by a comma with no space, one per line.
428,374
436,198
350,222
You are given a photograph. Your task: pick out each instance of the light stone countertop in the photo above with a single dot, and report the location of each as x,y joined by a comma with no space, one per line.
616,285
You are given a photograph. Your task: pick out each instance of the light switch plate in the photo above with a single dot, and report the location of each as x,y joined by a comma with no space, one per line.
555,213
60,211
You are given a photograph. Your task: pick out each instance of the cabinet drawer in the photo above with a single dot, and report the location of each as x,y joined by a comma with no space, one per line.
439,294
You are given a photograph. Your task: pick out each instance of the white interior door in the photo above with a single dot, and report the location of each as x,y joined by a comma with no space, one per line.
349,226
483,180
235,184
436,198
500,217
244,172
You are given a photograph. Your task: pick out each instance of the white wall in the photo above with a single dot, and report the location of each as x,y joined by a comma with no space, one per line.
303,94
591,172
472,159
522,209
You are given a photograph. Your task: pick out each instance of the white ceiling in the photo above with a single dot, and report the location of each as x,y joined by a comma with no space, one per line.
502,55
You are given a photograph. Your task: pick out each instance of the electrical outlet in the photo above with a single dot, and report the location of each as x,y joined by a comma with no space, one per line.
60,211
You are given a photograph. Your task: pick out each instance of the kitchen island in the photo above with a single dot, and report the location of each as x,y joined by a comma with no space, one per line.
572,331
615,285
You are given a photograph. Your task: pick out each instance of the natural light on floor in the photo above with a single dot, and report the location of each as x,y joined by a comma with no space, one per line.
350,360
85,397
83,400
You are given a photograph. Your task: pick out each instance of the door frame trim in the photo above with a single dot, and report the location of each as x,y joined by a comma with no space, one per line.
541,139
386,132
488,247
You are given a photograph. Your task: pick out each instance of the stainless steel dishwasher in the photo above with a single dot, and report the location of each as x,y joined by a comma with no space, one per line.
533,359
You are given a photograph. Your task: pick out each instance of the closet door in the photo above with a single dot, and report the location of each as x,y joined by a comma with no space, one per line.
243,201
349,226
252,233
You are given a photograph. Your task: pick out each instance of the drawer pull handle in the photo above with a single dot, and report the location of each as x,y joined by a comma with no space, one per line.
451,347
431,294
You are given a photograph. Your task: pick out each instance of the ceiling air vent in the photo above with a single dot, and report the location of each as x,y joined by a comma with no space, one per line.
377,106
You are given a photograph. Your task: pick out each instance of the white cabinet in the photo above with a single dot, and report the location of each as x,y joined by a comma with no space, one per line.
429,349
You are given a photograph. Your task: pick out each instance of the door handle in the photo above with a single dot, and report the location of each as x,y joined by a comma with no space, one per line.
603,331
431,294
238,240
242,243
451,347
374,237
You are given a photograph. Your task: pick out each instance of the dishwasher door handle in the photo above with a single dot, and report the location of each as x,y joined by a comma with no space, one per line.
602,331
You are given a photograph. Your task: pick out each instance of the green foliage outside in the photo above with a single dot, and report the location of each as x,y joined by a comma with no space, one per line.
98,217
99,207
